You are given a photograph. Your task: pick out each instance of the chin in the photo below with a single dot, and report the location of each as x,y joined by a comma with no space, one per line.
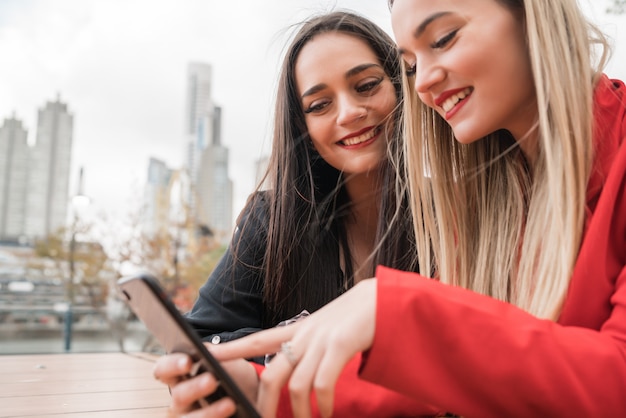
466,136
464,139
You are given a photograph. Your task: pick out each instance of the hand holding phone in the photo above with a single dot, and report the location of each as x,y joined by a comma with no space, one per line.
149,302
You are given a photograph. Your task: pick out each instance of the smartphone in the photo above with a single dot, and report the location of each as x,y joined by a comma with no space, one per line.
147,299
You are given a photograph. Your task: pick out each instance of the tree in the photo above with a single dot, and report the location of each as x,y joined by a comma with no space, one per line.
197,267
82,264
617,7
181,254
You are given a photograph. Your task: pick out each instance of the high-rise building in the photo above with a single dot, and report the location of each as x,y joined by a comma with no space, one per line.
261,166
157,197
14,168
49,173
210,194
214,190
198,113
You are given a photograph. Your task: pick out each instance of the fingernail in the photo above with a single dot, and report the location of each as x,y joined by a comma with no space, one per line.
206,379
182,363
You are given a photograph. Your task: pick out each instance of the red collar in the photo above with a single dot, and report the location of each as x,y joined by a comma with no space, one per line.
608,132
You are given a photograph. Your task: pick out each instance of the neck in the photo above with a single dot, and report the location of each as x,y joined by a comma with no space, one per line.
527,133
362,226
528,145
364,193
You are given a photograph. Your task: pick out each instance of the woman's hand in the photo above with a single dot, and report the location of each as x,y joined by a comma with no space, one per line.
317,349
172,370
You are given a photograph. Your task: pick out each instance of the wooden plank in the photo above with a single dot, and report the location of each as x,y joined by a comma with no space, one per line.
73,361
81,403
86,372
91,385
51,387
72,367
122,413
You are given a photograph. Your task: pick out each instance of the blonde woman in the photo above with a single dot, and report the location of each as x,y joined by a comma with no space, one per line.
517,163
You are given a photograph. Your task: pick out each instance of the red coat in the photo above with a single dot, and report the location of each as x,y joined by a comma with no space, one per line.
357,398
477,357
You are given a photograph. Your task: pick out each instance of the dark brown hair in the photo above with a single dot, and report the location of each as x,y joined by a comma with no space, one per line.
306,200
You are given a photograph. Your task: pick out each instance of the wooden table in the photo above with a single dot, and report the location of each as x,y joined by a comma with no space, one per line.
98,385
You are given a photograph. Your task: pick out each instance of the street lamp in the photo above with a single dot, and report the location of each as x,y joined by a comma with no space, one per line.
79,200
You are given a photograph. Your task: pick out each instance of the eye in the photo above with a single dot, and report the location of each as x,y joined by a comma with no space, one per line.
445,40
369,85
316,107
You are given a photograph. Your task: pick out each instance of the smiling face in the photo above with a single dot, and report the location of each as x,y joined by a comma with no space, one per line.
347,99
469,62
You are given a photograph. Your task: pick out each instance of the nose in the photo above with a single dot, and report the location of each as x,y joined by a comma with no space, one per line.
350,110
427,75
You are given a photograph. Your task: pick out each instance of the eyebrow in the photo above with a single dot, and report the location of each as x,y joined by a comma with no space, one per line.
424,25
350,73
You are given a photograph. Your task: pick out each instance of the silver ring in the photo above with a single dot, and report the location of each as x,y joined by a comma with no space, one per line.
285,348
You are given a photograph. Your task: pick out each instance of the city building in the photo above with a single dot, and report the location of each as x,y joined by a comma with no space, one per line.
200,194
157,197
14,169
198,114
261,165
214,190
49,171
210,192
34,179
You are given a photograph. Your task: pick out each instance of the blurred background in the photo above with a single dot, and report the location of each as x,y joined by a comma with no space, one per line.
131,133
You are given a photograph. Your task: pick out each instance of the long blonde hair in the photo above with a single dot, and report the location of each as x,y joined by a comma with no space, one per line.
484,219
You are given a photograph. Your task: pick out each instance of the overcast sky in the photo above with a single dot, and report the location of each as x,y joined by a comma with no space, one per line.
120,65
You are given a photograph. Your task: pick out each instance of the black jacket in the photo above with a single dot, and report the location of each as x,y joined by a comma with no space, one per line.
230,303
